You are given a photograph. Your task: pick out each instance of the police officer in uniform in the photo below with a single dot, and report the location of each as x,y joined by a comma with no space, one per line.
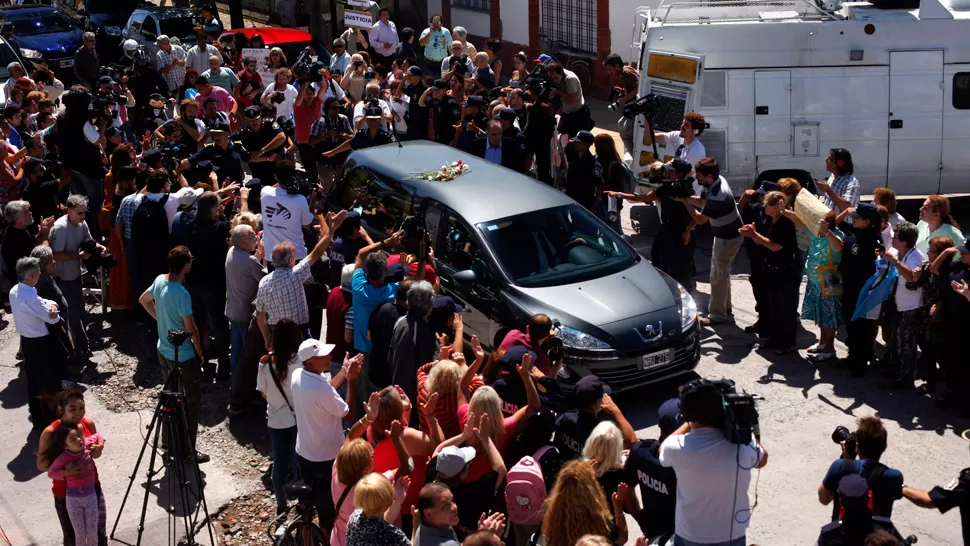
658,484
507,117
264,140
372,135
417,115
752,212
445,111
956,493
222,155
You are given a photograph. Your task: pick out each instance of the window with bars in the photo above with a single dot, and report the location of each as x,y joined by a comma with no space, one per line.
477,5
569,24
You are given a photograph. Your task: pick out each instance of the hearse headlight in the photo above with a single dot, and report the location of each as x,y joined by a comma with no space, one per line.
574,339
688,309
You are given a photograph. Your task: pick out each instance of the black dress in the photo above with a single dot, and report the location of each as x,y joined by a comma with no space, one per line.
782,280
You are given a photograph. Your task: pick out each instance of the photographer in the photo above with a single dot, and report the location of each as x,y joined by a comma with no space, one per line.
264,141
281,93
885,484
372,99
306,111
326,133
110,96
717,207
684,141
191,128
628,79
169,303
353,81
575,116
713,474
956,493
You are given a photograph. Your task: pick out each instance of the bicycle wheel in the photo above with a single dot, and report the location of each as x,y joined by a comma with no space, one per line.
305,534
585,74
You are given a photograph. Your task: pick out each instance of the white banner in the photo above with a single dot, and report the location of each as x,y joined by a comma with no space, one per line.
359,3
358,19
262,58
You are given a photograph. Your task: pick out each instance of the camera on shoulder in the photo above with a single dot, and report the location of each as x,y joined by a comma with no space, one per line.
739,412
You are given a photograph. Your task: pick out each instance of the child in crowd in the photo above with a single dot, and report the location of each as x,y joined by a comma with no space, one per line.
69,449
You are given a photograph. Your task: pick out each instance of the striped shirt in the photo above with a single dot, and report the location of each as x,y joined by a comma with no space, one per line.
846,186
174,77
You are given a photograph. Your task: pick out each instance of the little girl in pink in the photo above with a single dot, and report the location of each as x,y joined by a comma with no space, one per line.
71,461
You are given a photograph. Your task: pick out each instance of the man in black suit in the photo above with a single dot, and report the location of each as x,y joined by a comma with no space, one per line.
498,149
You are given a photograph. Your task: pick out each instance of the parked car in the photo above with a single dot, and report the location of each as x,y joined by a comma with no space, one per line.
148,23
45,31
9,54
106,18
292,41
507,247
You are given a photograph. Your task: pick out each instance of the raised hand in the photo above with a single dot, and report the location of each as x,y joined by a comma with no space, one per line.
477,349
525,368
428,407
401,488
396,431
373,406
494,523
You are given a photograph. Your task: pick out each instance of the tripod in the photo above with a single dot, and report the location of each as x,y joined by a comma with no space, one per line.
170,416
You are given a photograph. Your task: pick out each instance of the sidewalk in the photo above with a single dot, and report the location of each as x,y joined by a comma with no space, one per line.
26,504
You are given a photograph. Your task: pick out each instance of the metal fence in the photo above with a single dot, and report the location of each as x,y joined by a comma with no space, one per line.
478,5
570,24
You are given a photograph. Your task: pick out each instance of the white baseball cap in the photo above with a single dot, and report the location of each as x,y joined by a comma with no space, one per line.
187,196
453,459
313,347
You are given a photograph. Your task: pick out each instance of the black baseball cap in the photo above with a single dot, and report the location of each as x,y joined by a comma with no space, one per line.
589,390
513,357
506,114
669,417
415,71
441,84
768,186
680,166
253,112
474,100
218,127
866,211
583,136
446,305
106,80
152,155
394,273
350,224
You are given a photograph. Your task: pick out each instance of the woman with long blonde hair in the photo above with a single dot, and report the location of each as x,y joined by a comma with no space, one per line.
604,449
577,507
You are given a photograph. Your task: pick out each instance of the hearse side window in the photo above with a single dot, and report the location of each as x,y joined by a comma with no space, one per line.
961,90
386,205
461,251
353,189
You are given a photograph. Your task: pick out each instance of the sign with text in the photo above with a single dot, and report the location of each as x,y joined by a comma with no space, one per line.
359,3
358,19
262,57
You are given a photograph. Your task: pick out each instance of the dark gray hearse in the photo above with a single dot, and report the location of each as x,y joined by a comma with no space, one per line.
507,247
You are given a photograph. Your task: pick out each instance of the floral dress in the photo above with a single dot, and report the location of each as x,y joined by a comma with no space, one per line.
825,311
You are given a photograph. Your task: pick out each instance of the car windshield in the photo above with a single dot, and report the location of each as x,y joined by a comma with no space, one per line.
555,246
182,27
35,23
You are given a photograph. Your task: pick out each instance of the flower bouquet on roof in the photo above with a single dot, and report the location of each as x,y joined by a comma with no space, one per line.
446,173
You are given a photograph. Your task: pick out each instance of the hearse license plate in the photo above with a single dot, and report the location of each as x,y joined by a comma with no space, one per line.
653,360
67,63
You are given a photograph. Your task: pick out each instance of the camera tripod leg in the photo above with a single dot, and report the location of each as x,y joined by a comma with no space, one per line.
177,450
148,480
194,525
134,472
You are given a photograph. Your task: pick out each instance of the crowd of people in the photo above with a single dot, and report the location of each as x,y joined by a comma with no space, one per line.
406,432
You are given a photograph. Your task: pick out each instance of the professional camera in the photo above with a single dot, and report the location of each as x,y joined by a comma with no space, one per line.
539,84
170,399
615,93
297,183
98,258
173,154
674,189
306,69
646,105
414,233
178,337
740,411
842,434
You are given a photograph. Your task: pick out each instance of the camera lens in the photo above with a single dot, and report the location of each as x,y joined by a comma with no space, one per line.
841,434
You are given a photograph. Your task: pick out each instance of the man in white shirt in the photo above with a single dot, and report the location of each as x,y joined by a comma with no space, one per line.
44,358
284,216
909,301
684,143
319,411
372,92
713,474
384,39
198,55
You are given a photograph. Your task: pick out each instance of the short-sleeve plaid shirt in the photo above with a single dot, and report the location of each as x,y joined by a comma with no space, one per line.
323,124
281,294
126,211
174,77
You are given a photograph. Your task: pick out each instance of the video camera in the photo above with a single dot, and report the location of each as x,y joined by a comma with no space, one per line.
539,84
615,93
98,258
297,183
842,434
173,154
740,412
646,105
306,69
674,189
414,233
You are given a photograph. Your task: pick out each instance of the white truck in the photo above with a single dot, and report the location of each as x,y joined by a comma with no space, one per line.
781,82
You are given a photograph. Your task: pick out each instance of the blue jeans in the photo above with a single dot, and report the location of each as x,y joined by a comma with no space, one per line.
678,541
237,338
283,441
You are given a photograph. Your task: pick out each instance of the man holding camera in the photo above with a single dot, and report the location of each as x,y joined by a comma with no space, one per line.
575,116
684,140
169,303
713,474
628,79
263,141
869,443
372,98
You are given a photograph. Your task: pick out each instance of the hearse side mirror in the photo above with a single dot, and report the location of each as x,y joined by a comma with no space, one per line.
466,277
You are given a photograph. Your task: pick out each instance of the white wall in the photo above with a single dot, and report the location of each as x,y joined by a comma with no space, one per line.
515,21
434,6
477,23
621,24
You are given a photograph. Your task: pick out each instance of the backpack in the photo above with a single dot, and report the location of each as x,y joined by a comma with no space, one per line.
182,228
527,485
874,476
151,240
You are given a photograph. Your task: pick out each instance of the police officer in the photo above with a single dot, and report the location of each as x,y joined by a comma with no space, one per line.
446,111
752,212
539,128
673,246
658,484
264,140
474,122
372,135
956,493
221,156
507,117
417,115
573,427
